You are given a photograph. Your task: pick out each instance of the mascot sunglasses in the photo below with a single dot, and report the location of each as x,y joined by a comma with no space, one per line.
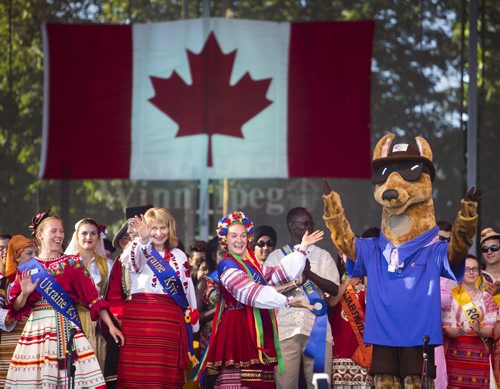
409,171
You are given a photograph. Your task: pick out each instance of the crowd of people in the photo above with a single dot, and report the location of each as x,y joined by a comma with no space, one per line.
235,311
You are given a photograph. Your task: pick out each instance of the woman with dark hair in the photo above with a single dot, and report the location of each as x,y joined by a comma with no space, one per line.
468,323
161,315
87,242
207,295
47,288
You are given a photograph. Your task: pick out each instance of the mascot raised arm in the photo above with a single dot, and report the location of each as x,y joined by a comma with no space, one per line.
404,265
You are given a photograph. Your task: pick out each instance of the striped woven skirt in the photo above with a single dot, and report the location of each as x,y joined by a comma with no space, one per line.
467,363
39,357
155,351
8,343
347,374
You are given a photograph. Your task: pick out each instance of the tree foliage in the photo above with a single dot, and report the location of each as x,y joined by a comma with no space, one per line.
417,64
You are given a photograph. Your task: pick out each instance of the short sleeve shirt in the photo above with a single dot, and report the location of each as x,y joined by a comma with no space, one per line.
404,305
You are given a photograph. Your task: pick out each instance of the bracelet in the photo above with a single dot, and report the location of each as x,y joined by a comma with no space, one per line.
297,286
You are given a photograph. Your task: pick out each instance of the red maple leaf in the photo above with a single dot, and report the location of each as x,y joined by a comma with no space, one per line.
210,105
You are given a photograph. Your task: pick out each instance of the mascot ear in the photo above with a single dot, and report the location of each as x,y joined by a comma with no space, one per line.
383,146
424,148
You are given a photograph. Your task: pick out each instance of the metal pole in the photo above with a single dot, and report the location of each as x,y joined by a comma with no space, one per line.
204,196
472,101
225,197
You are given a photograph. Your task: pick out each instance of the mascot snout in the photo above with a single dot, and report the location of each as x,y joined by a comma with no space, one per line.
390,194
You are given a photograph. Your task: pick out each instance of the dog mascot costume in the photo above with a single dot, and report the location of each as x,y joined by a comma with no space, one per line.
404,265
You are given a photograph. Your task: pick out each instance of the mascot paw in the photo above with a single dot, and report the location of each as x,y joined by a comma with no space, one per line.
413,382
331,200
384,381
473,194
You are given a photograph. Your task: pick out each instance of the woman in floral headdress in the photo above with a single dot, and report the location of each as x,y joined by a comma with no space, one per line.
19,250
87,242
47,288
244,345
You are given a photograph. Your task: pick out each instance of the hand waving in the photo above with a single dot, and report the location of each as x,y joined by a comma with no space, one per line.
309,239
27,284
141,226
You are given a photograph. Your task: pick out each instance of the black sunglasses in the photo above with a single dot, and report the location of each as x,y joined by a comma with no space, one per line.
262,243
494,248
444,238
410,171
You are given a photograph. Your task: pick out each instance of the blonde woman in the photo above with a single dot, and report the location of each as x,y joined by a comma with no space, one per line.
47,289
161,315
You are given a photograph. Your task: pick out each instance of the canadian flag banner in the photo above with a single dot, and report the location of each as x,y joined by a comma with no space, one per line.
207,97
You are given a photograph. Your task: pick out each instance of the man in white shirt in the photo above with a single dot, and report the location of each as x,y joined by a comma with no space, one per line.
295,326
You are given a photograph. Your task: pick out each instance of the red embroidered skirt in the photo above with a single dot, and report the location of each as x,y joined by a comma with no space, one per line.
155,351
467,363
234,348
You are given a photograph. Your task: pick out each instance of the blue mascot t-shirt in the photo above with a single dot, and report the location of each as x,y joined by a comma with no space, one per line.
403,305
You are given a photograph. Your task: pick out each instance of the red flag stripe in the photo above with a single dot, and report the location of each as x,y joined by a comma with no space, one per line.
329,99
96,120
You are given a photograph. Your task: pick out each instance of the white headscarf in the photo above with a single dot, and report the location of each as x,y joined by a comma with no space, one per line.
72,248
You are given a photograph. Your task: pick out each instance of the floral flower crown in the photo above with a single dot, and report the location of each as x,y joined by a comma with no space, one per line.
235,217
37,219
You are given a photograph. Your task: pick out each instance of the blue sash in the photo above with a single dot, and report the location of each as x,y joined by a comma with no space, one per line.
172,285
316,345
51,291
229,263
214,276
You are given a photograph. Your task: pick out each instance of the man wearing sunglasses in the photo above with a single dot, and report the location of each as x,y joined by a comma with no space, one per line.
490,250
296,328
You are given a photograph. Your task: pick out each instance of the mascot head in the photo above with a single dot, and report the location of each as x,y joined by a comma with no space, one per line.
403,175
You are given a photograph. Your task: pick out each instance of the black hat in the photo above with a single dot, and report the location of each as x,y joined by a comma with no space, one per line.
108,245
136,211
264,231
122,232
404,152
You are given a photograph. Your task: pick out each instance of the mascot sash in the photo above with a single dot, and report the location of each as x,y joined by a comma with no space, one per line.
316,345
172,285
51,291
